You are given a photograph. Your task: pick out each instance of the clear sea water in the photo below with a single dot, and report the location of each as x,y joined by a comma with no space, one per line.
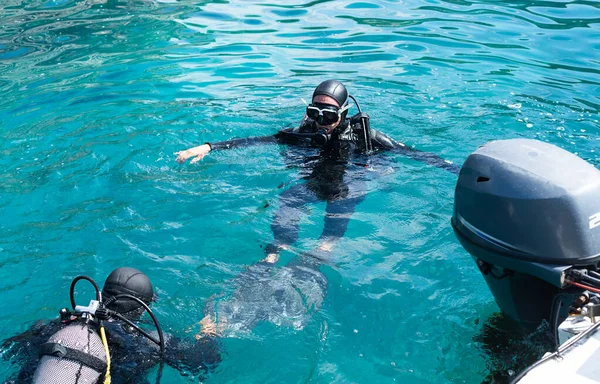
97,95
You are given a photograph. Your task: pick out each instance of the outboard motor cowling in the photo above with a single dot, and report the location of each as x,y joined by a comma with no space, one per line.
527,211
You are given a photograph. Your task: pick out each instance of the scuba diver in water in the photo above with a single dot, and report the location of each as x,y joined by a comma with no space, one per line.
333,151
337,142
102,343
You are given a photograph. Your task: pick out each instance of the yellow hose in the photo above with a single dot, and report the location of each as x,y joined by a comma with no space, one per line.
107,375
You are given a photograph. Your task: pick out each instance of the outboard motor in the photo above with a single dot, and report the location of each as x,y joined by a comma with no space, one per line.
529,214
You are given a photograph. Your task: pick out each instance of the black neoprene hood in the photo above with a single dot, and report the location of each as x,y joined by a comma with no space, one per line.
334,89
127,281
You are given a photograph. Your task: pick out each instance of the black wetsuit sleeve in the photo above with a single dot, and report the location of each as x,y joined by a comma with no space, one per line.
300,135
294,136
196,356
245,142
382,141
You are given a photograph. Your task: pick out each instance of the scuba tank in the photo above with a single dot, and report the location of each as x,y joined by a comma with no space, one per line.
75,354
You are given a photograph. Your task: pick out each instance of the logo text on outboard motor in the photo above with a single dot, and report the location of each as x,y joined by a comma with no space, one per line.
594,220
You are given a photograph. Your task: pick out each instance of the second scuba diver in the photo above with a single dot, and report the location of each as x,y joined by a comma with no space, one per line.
71,349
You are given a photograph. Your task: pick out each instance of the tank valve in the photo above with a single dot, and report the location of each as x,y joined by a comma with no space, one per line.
65,315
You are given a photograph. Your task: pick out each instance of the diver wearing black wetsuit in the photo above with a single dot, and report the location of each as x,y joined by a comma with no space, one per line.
339,145
132,354
331,152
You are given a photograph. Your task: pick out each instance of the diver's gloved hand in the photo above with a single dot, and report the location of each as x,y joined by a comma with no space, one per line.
198,357
197,153
207,348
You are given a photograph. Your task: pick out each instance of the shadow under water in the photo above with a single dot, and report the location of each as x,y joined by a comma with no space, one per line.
510,348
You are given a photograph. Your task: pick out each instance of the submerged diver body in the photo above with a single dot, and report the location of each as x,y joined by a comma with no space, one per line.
333,166
68,350
284,296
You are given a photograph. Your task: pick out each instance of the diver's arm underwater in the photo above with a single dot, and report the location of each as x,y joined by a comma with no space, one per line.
197,153
284,136
385,142
303,135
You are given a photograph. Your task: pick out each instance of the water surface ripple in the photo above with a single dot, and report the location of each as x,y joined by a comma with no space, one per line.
97,95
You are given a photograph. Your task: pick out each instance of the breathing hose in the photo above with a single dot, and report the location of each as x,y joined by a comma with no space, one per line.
161,341
72,289
366,129
107,378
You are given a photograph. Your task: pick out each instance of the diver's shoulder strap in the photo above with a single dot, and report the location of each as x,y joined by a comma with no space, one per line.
355,119
60,351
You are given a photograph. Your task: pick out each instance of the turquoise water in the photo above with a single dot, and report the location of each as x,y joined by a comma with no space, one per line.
97,95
